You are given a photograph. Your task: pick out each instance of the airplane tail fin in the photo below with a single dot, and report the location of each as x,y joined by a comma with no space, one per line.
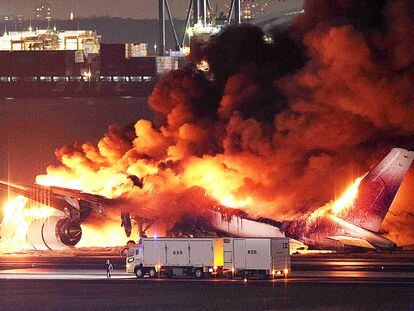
378,189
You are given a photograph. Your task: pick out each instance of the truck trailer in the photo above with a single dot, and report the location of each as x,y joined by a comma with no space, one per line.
202,257
263,257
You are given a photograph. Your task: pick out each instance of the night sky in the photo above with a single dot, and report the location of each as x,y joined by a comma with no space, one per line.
140,9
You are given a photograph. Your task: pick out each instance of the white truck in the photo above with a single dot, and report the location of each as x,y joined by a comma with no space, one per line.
200,257
175,256
263,257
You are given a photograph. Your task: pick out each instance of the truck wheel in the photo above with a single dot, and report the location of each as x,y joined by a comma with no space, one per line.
199,273
152,273
139,273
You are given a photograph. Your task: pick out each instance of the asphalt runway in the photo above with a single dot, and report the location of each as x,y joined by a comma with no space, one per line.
339,282
335,276
403,262
131,294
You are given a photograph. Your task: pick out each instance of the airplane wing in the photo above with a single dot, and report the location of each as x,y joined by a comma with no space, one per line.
14,188
351,241
57,231
77,205
58,197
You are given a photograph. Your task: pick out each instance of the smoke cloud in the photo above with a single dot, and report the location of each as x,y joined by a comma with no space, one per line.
277,129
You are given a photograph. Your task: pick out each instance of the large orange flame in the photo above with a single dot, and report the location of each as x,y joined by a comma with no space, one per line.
18,215
220,183
341,204
347,198
108,235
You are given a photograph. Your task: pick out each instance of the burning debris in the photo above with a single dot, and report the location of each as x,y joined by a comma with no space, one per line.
274,128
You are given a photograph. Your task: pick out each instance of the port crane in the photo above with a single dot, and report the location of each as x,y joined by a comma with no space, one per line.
200,18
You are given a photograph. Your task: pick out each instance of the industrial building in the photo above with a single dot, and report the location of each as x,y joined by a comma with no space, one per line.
55,64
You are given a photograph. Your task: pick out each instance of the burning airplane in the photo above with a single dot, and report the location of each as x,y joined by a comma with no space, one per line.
272,131
354,220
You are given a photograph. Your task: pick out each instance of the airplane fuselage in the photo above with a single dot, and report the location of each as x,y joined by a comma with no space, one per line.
357,226
331,232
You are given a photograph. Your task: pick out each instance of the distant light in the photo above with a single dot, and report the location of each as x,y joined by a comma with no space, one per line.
286,271
71,16
267,39
87,74
203,66
155,236
186,50
190,32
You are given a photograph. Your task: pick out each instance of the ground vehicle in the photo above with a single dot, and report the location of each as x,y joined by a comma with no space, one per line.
175,256
264,257
200,257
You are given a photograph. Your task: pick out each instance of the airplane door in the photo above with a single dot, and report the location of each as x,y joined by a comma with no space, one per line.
228,253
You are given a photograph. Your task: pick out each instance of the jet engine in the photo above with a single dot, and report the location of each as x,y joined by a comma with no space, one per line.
53,233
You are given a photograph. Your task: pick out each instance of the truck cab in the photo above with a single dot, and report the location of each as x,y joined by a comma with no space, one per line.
136,263
134,258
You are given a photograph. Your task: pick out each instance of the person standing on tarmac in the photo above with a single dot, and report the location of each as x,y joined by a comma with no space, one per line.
109,269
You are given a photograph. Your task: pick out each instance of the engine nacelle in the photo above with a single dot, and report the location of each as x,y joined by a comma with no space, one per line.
53,233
